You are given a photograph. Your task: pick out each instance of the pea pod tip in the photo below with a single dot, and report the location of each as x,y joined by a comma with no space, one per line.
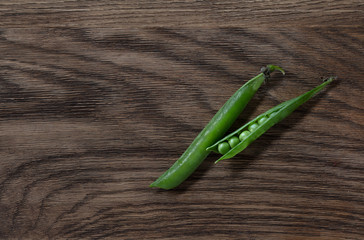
330,79
160,184
155,184
272,68
218,160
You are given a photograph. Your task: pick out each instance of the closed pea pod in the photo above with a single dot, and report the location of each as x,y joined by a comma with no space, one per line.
214,130
263,122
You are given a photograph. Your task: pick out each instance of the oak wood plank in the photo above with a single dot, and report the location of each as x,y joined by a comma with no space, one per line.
90,116
130,14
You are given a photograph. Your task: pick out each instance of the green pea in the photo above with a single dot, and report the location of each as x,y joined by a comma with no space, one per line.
273,114
253,127
243,135
262,120
233,141
223,147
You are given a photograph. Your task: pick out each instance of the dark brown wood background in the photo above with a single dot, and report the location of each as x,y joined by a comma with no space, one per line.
98,98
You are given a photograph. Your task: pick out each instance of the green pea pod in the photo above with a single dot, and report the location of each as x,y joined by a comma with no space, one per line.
256,127
214,130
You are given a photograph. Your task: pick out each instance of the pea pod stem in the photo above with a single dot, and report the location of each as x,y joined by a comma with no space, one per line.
271,117
214,130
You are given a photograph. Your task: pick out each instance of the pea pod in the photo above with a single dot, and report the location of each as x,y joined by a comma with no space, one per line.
214,130
256,127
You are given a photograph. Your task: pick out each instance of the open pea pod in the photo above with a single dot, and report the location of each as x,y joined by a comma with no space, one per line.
237,141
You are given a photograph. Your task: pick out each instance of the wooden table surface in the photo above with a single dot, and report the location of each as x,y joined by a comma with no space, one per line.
98,98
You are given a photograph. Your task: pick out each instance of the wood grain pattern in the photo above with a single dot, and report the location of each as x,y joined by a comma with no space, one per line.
91,115
196,13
